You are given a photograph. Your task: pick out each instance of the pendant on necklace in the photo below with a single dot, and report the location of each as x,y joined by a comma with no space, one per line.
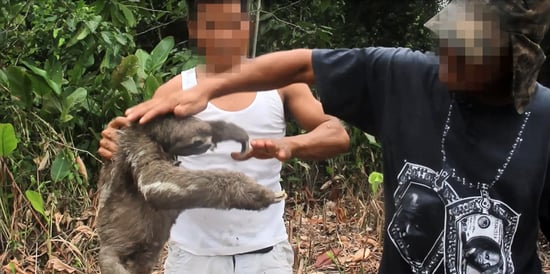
479,232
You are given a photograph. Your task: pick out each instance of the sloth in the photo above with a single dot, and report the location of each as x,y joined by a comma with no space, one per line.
143,189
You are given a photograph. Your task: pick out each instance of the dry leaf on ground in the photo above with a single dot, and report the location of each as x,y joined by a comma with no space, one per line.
359,255
326,257
56,264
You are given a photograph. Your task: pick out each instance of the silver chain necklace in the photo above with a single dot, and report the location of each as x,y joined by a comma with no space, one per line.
500,171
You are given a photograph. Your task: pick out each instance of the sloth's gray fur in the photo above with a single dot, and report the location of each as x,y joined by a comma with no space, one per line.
143,190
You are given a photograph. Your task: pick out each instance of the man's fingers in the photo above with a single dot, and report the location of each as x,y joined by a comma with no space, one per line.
109,134
108,145
266,146
146,111
137,111
105,154
152,113
188,109
119,122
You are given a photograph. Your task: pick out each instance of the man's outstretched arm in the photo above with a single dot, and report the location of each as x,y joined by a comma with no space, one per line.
266,72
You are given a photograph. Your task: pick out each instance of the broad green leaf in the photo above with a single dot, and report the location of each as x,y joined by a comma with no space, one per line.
85,60
160,53
3,79
128,15
94,23
65,117
372,140
106,36
107,61
121,39
82,33
375,180
20,85
50,18
42,73
52,105
39,86
36,201
130,85
54,70
8,141
61,167
151,84
143,59
77,97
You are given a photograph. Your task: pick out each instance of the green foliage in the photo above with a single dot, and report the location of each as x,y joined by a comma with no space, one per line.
67,59
297,24
66,69
36,201
290,24
61,167
8,141
375,180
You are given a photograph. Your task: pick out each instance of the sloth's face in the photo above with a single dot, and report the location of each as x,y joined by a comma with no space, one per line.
197,145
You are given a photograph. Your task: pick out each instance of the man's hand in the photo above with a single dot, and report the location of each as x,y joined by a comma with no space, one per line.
170,98
267,149
108,142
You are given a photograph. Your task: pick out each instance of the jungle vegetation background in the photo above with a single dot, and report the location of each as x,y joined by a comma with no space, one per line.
68,67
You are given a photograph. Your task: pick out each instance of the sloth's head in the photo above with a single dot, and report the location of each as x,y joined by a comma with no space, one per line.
196,145
189,135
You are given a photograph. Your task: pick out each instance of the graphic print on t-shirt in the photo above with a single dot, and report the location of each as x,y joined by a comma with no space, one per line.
433,226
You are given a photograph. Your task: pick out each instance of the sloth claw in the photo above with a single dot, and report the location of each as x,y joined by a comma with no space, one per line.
280,196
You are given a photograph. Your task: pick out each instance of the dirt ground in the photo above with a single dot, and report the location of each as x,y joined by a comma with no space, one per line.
329,236
343,236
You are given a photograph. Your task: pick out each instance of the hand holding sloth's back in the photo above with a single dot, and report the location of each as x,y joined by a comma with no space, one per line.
143,191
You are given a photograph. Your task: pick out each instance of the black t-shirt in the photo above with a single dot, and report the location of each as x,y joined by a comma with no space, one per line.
465,184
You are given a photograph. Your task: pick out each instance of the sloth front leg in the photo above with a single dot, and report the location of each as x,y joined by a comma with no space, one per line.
169,187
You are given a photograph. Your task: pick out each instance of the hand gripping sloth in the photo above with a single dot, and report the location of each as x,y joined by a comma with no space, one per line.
143,189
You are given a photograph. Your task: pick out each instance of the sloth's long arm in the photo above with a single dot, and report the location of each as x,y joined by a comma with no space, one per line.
177,188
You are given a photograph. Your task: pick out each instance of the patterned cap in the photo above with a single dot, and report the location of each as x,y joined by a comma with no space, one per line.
470,25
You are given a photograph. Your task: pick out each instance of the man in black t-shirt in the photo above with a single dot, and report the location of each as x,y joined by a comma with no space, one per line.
465,133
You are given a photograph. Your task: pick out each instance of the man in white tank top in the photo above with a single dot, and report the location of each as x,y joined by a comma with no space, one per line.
238,241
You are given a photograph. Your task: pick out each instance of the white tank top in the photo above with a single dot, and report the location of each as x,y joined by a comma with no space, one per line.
229,232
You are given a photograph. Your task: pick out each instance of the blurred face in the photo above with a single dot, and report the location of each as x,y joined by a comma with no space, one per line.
473,73
220,32
474,50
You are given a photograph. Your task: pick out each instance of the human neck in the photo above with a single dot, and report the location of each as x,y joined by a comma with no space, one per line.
493,99
219,66
496,93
